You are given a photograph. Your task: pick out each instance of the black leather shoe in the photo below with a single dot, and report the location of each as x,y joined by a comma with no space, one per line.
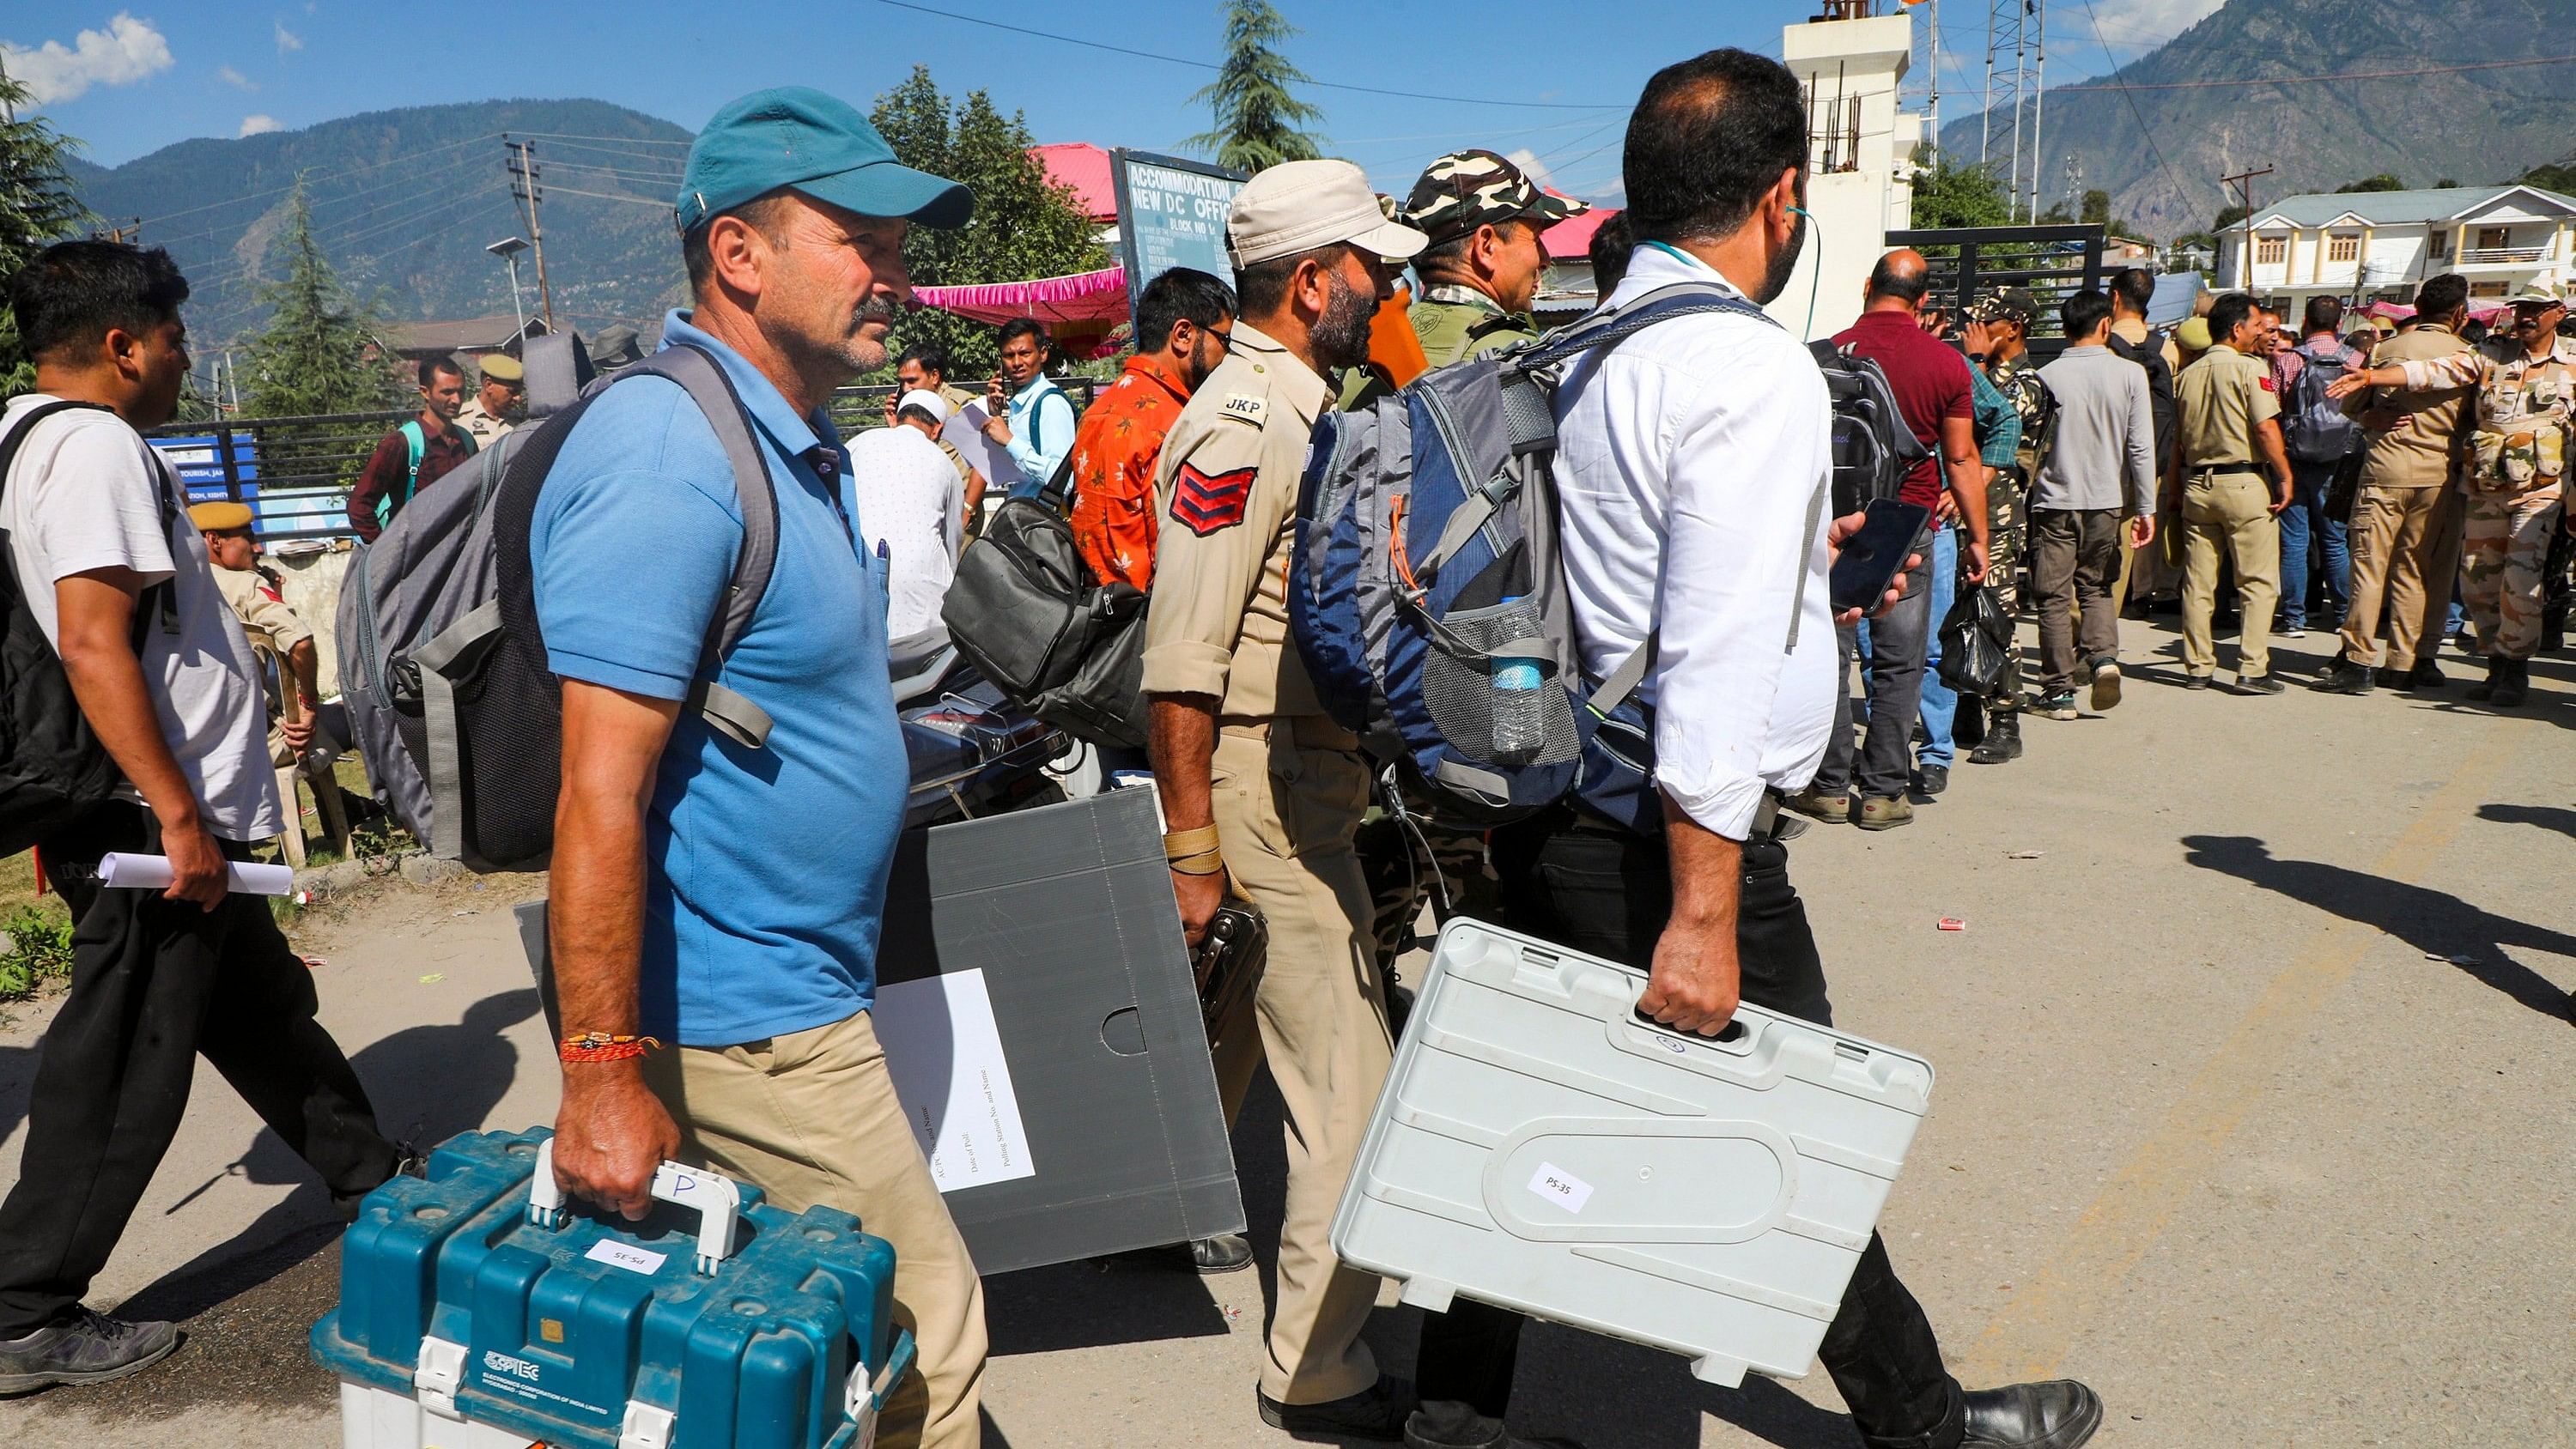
2345,677
2425,675
2002,743
1451,1425
1377,1412
2059,1414
1932,779
2259,684
1224,1253
2195,681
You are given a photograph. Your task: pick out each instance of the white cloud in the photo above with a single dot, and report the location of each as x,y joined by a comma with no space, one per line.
232,77
258,126
126,51
1531,167
287,40
2136,26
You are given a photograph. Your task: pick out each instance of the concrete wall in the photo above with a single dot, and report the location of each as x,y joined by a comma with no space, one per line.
310,584
1850,211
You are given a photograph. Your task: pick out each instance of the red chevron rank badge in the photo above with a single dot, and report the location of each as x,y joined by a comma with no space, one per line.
1205,503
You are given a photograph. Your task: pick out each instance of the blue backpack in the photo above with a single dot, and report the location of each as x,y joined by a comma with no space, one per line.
1427,597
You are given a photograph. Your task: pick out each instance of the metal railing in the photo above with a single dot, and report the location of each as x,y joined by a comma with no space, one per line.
2494,256
2052,262
296,472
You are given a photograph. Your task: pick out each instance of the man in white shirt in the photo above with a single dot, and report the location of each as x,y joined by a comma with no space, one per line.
912,509
1693,464
110,569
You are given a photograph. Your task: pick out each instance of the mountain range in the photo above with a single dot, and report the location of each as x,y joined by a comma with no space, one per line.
2159,152
405,202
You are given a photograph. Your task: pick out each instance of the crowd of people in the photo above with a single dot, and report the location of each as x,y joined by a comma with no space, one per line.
716,1004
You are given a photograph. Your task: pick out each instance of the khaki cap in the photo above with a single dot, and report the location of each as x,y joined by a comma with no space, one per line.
2193,335
219,517
1298,206
502,367
2539,294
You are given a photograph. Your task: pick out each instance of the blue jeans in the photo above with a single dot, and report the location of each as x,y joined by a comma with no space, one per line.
1940,701
2305,520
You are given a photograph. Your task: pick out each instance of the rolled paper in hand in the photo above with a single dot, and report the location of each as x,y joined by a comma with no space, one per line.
123,871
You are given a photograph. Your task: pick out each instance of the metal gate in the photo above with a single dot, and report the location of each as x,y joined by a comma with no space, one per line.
2053,262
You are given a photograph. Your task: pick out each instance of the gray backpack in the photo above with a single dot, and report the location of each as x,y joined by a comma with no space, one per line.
456,718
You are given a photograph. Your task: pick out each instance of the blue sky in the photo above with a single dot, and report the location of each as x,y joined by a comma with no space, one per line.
130,79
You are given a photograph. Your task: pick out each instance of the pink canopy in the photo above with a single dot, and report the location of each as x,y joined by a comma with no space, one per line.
1080,311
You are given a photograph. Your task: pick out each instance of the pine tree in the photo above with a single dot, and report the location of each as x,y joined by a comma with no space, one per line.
1257,116
319,352
1025,226
37,208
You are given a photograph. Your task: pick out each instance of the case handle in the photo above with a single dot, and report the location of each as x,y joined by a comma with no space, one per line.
716,1199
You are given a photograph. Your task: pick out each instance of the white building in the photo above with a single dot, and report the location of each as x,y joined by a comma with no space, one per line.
1860,158
2381,245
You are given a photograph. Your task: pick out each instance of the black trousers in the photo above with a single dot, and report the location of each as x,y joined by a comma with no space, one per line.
1608,893
154,983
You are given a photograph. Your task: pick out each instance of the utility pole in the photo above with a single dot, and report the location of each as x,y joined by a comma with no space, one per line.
524,187
2243,181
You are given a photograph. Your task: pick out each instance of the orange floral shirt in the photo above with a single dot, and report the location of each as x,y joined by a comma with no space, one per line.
1114,456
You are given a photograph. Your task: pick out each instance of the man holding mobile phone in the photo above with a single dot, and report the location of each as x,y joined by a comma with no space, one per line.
1937,399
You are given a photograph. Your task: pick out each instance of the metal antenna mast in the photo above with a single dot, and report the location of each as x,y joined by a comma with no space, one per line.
2014,53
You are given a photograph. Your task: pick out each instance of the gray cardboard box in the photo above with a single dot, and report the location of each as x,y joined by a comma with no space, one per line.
1067,912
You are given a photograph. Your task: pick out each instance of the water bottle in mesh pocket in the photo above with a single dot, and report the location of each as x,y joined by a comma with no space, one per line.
1482,717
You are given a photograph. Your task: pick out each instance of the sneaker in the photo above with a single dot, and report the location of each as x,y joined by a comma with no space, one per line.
1887,814
2057,704
2291,631
86,1348
1834,807
2260,684
2106,685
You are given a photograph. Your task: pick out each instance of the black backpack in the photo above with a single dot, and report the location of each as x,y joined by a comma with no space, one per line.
480,711
52,767
1873,448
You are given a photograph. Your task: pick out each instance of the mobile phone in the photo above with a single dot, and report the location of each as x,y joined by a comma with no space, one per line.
1872,558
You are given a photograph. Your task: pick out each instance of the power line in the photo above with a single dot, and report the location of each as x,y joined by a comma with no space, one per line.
341,234
345,171
441,170
2182,193
631,140
2350,75
1210,65
663,202
252,303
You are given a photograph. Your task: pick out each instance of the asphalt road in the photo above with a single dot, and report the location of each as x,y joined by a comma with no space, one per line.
2252,1112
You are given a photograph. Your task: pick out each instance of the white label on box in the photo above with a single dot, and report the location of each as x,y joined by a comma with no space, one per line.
1556,1185
619,1255
944,1051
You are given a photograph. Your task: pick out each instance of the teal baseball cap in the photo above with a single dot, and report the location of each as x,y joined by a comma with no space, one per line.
799,137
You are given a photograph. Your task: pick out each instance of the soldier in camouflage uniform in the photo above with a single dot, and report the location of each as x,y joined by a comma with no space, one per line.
1479,276
2006,316
2521,436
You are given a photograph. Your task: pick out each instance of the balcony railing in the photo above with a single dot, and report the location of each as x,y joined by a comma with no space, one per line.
2501,256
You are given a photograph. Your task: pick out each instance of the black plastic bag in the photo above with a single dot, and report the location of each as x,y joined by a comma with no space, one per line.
1976,642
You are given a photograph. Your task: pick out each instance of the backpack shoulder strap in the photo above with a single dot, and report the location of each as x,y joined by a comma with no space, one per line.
416,446
1610,328
163,597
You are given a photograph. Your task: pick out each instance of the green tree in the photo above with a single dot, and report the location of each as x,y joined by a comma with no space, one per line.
2096,208
319,352
1258,119
1025,226
1963,195
2384,181
2229,215
37,207
2560,178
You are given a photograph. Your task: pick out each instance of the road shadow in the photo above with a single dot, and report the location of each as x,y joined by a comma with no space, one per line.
1613,1395
2547,817
2434,922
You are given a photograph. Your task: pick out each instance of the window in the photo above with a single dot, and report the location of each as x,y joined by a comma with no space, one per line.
2343,247
2441,244
2486,289
2271,251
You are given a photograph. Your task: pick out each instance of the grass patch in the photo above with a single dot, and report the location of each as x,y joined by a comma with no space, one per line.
39,951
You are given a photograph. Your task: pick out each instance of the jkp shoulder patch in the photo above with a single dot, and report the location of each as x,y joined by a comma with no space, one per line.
1205,503
1246,406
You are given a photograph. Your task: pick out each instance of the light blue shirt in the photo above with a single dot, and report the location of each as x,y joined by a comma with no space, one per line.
766,869
1041,421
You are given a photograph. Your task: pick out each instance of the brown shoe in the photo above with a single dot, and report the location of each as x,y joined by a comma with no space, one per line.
1877,814
1834,807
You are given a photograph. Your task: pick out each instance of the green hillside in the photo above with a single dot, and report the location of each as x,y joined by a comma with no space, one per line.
405,201
2473,126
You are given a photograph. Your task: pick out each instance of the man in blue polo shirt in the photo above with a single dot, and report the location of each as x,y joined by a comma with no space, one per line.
725,900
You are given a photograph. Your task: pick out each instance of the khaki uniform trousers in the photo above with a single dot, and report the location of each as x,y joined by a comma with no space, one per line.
2504,555
1286,814
2405,549
2230,512
811,1117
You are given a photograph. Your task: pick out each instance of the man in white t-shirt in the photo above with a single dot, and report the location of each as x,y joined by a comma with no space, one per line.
912,509
111,570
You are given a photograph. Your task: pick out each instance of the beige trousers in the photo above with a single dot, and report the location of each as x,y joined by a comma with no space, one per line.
1285,818
2233,512
811,1117
2405,552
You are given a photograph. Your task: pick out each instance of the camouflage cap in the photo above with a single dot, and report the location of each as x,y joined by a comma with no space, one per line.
1468,189
2012,304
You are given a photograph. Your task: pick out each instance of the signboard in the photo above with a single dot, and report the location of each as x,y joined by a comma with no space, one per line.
1171,213
199,462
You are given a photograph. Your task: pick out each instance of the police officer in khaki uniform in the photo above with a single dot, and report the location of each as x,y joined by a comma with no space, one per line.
293,693
495,407
2227,439
1257,783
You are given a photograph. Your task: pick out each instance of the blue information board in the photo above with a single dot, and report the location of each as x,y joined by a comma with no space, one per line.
1171,213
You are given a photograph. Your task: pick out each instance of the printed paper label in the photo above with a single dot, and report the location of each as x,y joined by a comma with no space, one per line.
1556,1185
621,1255
944,1051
